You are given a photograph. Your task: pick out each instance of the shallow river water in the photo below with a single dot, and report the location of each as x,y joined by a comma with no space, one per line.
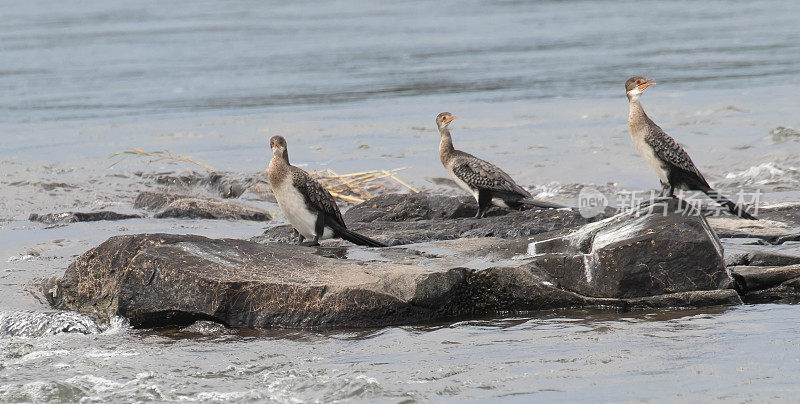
537,88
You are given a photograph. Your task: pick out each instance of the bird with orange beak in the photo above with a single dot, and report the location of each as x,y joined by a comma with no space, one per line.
664,155
486,182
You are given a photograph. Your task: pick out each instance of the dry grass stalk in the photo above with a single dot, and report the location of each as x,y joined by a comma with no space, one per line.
160,156
357,187
353,187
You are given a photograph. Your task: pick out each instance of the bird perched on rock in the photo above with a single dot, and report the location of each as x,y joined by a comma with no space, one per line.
310,208
484,180
664,155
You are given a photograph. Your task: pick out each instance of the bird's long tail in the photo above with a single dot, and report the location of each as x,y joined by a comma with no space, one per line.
359,239
541,204
732,207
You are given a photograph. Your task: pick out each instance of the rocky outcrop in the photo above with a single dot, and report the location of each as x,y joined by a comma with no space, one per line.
187,207
73,217
160,279
445,264
764,256
631,255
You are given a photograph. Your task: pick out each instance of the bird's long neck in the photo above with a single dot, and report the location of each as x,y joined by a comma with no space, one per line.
446,148
637,119
278,169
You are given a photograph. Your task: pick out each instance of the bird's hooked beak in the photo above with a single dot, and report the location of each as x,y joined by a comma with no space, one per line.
449,119
647,83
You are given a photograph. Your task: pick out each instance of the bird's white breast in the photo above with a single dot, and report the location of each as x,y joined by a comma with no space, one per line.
648,153
463,185
294,207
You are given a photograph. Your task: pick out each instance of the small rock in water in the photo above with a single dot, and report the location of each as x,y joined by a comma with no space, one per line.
201,208
156,200
72,217
783,134
189,207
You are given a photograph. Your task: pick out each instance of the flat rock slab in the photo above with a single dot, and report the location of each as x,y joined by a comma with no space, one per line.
161,280
776,224
73,217
188,207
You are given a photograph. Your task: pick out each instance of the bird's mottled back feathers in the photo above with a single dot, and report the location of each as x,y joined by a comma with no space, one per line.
668,150
481,174
316,196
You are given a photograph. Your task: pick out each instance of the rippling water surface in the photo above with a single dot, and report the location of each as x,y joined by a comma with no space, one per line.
749,353
537,88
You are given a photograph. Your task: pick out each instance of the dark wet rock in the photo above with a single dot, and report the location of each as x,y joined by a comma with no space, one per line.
203,208
73,217
161,279
627,256
700,298
768,284
752,278
412,207
760,254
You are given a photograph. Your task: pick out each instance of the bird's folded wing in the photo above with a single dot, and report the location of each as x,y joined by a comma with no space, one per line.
668,150
315,195
482,174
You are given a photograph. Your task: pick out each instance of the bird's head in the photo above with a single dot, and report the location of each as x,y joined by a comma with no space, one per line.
635,86
443,120
278,146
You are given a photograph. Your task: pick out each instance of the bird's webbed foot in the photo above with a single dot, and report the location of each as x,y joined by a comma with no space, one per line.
311,243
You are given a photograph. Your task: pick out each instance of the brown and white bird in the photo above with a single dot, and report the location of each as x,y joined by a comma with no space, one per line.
664,155
310,208
486,182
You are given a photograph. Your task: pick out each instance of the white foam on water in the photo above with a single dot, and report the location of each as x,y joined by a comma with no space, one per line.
764,174
37,324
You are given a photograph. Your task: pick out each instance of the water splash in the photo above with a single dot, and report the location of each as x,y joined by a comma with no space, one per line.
32,324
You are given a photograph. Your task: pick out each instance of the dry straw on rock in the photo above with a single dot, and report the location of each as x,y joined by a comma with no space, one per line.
353,187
